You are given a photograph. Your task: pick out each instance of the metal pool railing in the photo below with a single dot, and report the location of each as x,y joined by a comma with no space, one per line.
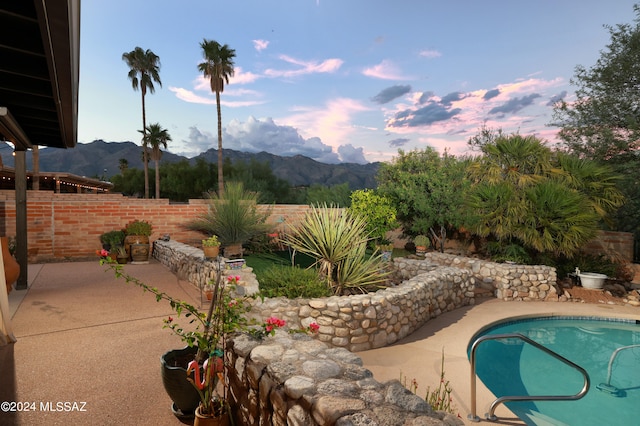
490,416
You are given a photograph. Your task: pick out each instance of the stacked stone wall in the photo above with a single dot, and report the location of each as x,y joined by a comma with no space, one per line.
294,379
358,322
506,281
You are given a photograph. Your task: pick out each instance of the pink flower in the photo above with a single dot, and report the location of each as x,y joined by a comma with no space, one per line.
314,327
104,253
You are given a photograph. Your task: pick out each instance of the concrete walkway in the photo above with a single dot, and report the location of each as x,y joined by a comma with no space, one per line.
93,343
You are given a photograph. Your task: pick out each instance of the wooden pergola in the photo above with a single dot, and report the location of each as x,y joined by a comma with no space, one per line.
39,76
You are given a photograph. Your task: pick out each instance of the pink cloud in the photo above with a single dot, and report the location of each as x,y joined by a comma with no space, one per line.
305,67
385,70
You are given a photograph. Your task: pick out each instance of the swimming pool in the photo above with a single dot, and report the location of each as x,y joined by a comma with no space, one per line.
512,367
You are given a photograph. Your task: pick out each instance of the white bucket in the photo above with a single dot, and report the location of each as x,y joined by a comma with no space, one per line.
592,280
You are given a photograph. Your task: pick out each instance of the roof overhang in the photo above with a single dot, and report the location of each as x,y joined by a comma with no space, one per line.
39,72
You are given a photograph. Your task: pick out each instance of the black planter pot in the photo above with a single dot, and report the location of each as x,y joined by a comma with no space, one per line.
174,378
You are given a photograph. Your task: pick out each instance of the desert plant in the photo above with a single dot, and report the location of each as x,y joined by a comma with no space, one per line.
233,217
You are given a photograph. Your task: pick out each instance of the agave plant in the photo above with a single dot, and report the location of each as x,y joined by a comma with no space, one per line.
337,240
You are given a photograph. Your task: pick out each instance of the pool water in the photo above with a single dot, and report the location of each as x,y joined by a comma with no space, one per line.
512,367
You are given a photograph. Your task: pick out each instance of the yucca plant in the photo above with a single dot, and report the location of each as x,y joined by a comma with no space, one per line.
233,217
334,236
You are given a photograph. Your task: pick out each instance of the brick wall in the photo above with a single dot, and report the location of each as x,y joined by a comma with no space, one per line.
63,226
69,225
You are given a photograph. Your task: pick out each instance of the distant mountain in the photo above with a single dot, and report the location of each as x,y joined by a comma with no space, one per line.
100,159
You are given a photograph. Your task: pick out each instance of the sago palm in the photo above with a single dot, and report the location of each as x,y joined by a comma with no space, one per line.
217,67
144,70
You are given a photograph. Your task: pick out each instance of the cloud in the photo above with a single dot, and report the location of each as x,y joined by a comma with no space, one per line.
425,116
305,67
198,141
515,104
260,45
425,97
391,93
257,135
557,98
385,70
399,142
491,94
430,53
350,154
451,97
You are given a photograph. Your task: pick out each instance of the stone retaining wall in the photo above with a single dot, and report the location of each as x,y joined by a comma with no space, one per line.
507,281
358,322
293,379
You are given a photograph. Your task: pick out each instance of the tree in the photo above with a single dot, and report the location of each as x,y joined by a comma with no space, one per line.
378,212
217,67
123,165
428,191
156,137
603,123
144,70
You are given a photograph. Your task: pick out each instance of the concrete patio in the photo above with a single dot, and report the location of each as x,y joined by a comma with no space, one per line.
86,338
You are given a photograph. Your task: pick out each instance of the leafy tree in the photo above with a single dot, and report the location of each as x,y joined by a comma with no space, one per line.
258,177
217,67
156,137
603,123
144,69
182,181
338,195
523,194
130,183
378,212
428,191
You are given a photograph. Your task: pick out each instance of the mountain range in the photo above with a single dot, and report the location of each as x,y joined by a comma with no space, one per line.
100,159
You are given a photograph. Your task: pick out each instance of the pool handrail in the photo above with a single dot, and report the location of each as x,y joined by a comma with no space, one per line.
491,416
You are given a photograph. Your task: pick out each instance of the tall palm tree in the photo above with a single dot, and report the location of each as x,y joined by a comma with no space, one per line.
155,137
217,67
144,70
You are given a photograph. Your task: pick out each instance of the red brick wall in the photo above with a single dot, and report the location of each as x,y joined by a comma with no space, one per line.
69,225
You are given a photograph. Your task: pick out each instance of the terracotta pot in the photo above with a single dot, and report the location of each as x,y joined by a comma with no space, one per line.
219,420
211,251
11,266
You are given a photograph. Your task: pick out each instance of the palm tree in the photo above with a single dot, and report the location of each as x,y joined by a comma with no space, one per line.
144,70
123,165
217,67
155,137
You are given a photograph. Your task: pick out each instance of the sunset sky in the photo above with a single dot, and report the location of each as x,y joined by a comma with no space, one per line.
340,80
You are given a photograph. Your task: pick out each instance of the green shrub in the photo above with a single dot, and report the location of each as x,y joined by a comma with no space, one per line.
587,263
291,282
510,252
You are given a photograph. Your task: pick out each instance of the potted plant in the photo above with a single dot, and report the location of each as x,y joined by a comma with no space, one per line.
121,254
421,242
192,375
136,242
111,239
211,247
